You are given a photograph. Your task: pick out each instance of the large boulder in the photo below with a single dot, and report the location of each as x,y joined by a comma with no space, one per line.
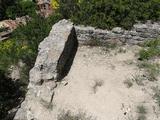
54,60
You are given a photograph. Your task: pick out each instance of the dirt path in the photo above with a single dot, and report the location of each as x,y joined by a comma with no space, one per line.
95,85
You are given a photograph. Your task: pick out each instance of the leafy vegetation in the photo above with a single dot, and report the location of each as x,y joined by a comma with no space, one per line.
21,8
99,13
54,4
3,29
22,46
3,7
110,13
150,49
16,8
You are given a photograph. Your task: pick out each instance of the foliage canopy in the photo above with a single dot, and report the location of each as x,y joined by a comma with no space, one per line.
110,13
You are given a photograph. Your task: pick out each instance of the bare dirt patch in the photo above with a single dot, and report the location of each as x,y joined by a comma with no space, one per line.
95,85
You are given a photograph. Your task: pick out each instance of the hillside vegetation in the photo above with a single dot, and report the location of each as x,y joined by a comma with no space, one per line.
21,47
10,9
110,13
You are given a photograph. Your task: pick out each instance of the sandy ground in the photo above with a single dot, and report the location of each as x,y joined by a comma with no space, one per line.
95,86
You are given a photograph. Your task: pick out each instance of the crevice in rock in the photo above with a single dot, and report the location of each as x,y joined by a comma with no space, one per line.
66,59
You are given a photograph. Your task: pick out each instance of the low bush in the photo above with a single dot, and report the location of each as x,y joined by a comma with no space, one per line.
21,47
16,8
110,13
2,29
150,49
26,38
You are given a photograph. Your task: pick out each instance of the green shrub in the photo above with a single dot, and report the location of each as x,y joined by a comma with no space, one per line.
110,13
152,43
4,4
150,49
54,18
16,8
3,29
22,46
28,37
8,54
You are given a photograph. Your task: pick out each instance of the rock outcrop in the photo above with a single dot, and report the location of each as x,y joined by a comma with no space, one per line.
139,33
54,60
55,57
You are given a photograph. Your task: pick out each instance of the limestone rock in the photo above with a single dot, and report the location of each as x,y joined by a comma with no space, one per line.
54,60
117,30
139,33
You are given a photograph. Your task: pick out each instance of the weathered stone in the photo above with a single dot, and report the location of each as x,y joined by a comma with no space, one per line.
138,33
54,60
133,33
21,113
14,73
117,30
145,35
44,93
51,51
140,27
